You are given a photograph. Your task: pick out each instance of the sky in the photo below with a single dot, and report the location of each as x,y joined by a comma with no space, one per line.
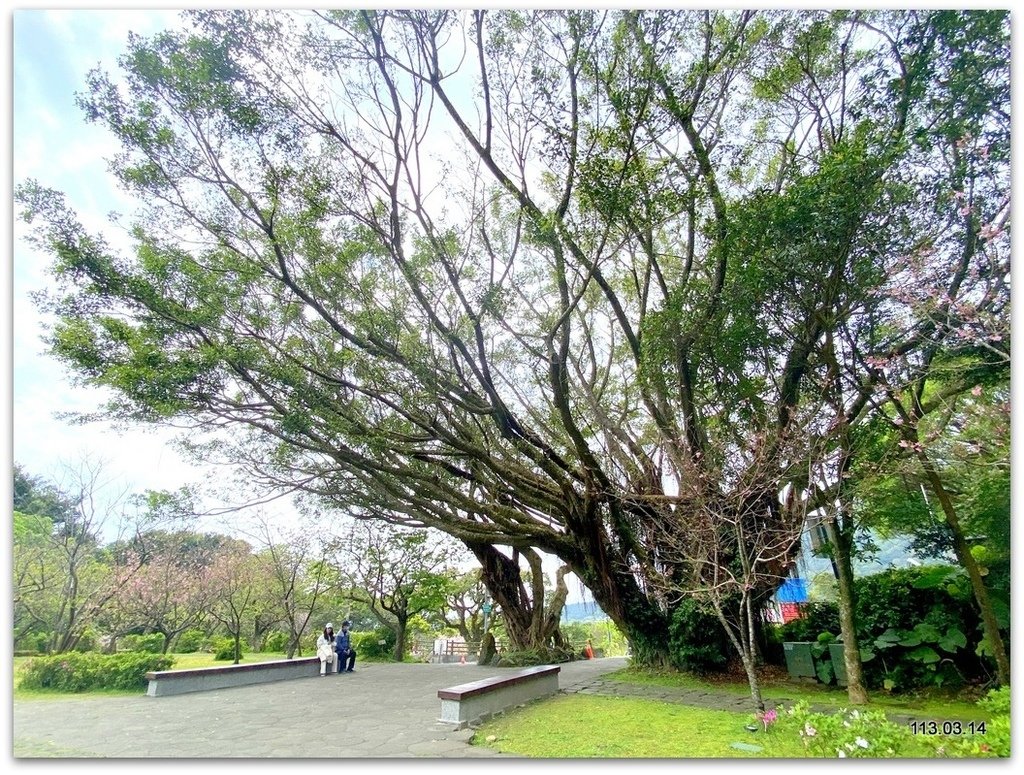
53,52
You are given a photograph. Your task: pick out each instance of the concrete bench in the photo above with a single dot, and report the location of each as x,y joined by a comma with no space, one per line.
476,701
166,682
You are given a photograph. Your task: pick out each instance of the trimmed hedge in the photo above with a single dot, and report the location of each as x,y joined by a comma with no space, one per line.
82,672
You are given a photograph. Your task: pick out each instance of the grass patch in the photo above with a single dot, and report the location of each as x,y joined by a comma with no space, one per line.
593,726
935,704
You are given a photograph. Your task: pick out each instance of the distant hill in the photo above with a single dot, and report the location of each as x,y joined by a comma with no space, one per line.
891,553
585,611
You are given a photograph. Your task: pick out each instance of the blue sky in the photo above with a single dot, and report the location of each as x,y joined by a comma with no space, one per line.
53,50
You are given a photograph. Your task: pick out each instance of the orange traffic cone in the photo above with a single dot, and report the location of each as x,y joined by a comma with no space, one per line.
588,651
462,659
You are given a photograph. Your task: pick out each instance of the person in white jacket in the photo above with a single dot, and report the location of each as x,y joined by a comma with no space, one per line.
325,650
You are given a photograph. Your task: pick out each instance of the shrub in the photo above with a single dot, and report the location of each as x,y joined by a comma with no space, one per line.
190,641
150,644
32,643
697,641
917,621
224,648
815,618
368,646
78,672
275,641
916,627
847,734
995,741
88,641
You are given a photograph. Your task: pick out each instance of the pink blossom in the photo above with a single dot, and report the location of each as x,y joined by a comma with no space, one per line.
976,390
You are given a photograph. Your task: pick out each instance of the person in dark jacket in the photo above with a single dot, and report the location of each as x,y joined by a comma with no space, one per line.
345,653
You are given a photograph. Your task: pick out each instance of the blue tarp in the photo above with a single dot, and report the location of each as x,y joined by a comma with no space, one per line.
792,591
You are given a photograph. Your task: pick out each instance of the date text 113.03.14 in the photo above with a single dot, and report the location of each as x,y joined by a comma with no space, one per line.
947,727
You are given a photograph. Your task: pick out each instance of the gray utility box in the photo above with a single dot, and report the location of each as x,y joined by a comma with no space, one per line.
835,651
799,660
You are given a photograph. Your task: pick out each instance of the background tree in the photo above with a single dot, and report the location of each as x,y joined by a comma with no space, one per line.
63,580
235,578
295,562
171,591
397,574
462,609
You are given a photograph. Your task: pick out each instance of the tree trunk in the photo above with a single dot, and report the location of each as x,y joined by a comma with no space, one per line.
966,559
841,541
634,613
530,621
400,635
741,637
488,650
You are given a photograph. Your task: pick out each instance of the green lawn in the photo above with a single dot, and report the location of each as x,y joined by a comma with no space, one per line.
607,727
933,704
595,726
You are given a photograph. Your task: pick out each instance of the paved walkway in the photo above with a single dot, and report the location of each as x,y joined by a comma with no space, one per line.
380,711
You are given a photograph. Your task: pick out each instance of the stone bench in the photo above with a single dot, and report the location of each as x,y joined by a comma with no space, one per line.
200,679
476,701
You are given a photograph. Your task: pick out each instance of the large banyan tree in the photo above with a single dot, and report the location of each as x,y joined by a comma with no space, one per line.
599,284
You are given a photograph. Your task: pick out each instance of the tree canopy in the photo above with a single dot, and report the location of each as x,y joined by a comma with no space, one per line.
560,280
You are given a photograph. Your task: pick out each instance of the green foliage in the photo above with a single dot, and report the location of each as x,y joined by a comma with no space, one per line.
224,648
35,496
916,627
32,642
918,622
991,742
153,643
75,672
191,641
847,734
603,635
276,641
697,641
815,619
378,644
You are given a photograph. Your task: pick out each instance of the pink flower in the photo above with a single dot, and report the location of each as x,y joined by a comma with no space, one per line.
767,718
976,390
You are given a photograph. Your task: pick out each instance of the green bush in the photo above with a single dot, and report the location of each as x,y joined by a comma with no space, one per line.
190,642
527,658
88,641
275,642
991,742
922,627
847,734
33,643
368,647
815,618
82,672
916,627
224,649
697,641
151,644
